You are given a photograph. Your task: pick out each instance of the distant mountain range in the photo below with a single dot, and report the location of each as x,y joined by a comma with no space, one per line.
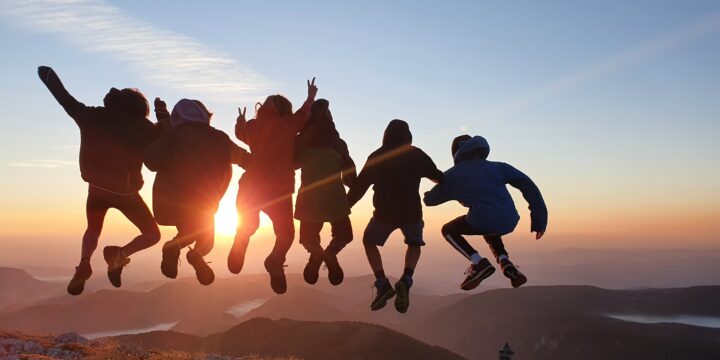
540,322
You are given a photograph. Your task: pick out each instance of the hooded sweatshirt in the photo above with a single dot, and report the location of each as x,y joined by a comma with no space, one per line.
394,170
111,143
480,185
326,167
193,164
271,140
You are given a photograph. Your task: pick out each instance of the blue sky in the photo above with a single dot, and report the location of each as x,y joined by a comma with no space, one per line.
612,107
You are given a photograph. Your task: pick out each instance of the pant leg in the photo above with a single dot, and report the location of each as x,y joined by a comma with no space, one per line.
206,234
376,233
249,217
342,235
281,214
453,232
496,245
95,210
135,209
310,236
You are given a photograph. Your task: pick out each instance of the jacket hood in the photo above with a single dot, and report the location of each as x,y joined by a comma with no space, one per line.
397,134
471,147
187,110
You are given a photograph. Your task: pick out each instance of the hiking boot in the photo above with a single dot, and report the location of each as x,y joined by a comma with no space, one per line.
385,292
82,273
335,272
170,258
402,298
276,269
116,261
236,258
477,273
511,272
312,269
203,272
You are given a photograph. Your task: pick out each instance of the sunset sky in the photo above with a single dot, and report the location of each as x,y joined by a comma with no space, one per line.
611,107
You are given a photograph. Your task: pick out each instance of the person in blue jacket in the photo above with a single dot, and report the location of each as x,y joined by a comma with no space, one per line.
480,185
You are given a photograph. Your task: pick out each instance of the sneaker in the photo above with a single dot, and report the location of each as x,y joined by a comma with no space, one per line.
335,272
511,272
312,269
170,258
236,258
477,273
276,269
402,298
385,292
82,273
116,261
203,272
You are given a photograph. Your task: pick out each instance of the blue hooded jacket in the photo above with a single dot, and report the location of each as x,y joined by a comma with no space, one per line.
480,185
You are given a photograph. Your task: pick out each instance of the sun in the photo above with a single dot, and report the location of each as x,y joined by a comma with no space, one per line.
227,219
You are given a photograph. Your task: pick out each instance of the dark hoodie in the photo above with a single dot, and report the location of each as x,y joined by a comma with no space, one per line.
193,164
111,142
395,170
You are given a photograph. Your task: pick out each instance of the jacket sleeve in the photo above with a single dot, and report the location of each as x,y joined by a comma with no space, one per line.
298,119
158,152
429,170
440,193
244,131
77,110
349,173
362,183
238,155
531,193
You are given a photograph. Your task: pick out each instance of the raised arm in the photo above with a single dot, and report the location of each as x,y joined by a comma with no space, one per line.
74,108
361,184
298,119
162,115
242,126
531,193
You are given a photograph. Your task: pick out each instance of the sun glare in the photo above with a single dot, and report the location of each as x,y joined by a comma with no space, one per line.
227,219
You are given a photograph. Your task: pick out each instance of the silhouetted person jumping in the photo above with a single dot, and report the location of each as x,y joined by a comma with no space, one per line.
112,140
480,185
395,171
325,165
193,162
269,181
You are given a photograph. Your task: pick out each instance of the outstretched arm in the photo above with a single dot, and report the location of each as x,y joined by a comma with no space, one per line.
349,173
531,193
429,170
74,108
439,194
361,184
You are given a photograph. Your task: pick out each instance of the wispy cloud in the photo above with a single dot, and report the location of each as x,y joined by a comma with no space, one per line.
162,57
44,164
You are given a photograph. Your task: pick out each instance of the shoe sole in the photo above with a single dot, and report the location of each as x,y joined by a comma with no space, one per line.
311,276
204,274
278,282
474,282
516,281
78,287
381,302
167,267
402,298
234,266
